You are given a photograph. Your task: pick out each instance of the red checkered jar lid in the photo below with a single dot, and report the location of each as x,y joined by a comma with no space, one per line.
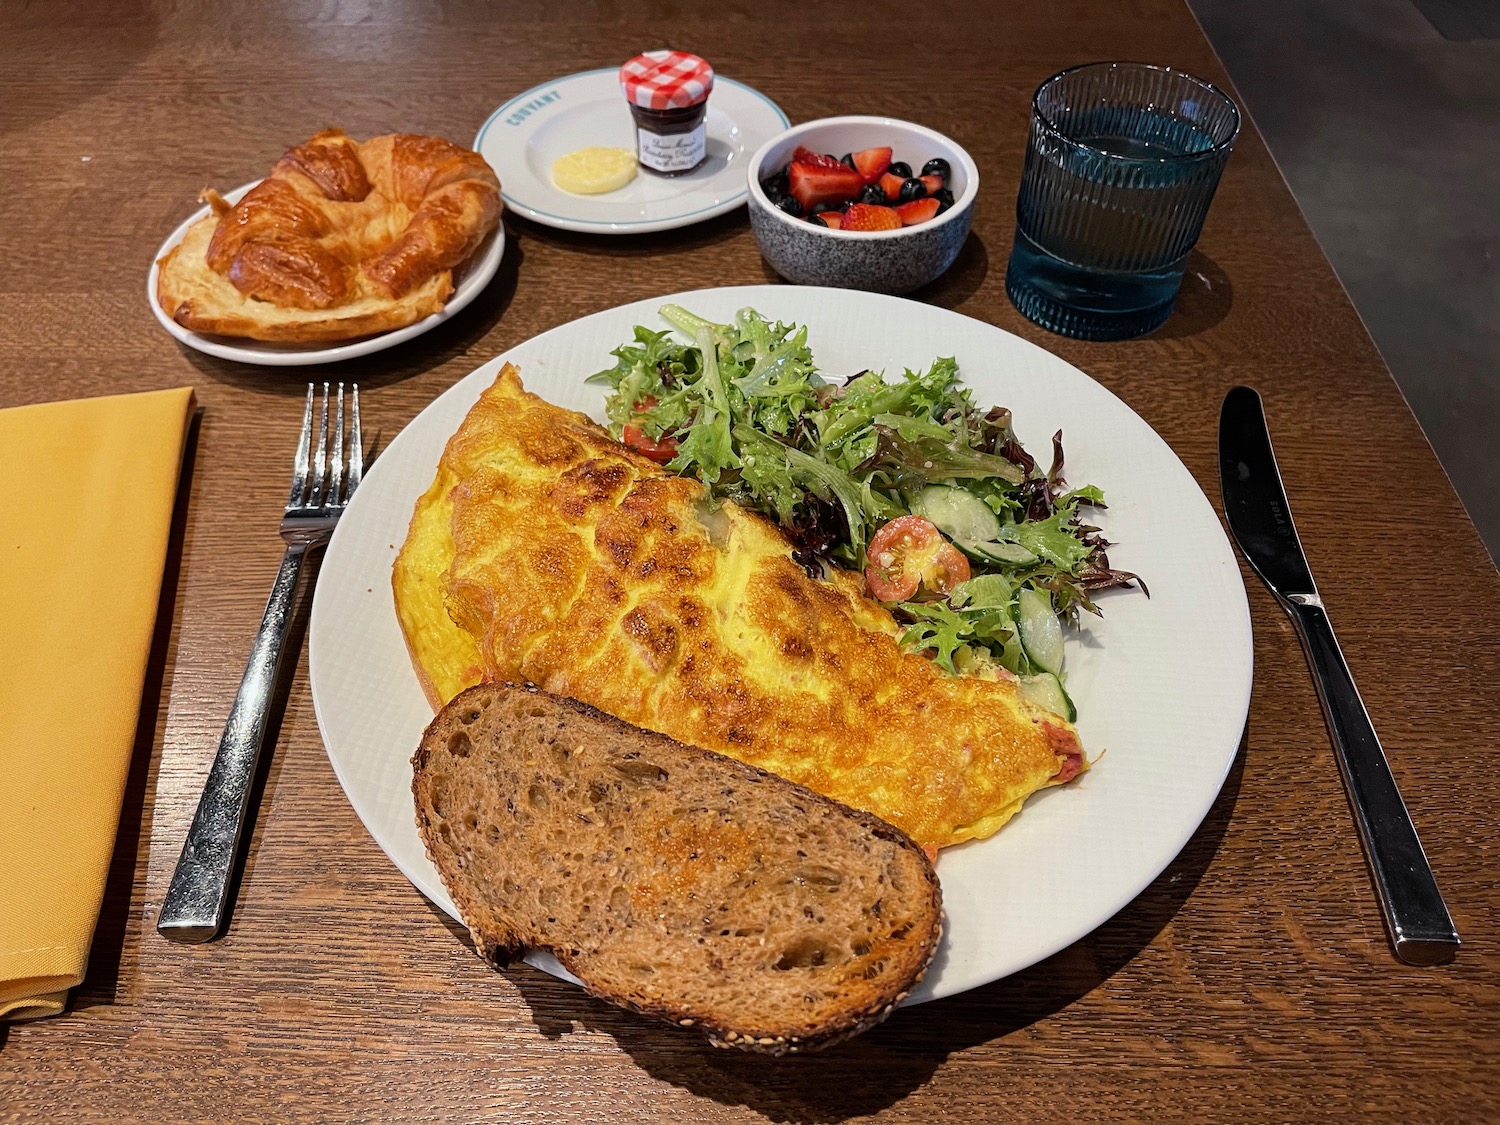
666,80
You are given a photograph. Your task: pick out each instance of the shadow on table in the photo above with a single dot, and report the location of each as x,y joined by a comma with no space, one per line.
1204,299
709,232
268,768
45,39
101,980
961,280
421,353
874,1071
955,286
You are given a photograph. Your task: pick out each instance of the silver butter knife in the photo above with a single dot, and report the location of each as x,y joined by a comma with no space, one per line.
1255,504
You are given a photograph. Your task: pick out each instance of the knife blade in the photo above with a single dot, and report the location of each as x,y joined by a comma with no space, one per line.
1255,505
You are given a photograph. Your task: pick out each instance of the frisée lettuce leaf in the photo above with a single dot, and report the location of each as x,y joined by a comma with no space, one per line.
744,408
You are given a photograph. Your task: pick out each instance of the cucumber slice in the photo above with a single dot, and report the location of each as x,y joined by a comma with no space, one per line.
1045,690
1012,655
1041,631
1002,554
957,512
986,591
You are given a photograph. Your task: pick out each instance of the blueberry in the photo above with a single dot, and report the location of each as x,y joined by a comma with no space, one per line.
873,193
775,188
790,205
900,168
819,208
944,198
911,189
937,166
848,158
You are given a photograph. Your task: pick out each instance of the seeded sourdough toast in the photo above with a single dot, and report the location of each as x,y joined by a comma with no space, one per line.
670,880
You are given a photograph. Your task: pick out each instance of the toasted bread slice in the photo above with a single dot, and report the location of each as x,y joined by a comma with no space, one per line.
671,880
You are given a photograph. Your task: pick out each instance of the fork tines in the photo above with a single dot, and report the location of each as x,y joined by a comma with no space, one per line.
333,479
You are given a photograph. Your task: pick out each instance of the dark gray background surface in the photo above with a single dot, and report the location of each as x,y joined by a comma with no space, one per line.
1388,134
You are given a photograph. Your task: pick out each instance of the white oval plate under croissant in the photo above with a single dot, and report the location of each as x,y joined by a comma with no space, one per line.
469,280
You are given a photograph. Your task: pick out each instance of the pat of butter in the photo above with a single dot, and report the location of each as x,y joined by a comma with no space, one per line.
591,171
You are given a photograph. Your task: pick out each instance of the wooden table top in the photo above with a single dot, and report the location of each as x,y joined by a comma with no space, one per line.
1251,980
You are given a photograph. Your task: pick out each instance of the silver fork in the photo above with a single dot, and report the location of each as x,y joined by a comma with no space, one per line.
196,901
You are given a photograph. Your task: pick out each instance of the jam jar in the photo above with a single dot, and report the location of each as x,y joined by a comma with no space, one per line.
668,96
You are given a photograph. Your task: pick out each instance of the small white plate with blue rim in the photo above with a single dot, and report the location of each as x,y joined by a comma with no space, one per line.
524,136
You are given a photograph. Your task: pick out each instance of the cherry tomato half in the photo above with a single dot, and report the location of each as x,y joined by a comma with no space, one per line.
909,552
659,451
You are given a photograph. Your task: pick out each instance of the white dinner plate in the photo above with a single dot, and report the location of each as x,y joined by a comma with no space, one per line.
1162,683
469,280
524,136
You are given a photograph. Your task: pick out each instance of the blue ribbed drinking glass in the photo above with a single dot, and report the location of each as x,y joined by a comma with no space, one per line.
1121,165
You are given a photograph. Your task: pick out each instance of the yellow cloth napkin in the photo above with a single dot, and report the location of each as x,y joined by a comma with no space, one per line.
86,493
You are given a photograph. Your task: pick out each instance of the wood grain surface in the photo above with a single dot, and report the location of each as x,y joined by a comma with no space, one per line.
1251,981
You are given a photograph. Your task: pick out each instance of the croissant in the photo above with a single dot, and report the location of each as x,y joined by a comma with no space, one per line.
342,239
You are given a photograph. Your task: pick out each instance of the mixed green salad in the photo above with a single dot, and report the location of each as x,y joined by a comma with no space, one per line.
976,547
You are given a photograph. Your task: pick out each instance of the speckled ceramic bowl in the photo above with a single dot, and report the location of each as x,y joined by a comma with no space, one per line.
894,261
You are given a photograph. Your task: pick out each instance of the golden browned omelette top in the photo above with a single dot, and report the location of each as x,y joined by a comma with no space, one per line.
546,551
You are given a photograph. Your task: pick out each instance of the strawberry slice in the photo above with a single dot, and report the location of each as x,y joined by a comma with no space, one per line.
869,216
933,184
872,162
804,155
917,211
811,183
891,185
832,219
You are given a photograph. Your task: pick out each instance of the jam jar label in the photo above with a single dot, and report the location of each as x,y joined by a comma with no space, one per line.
673,152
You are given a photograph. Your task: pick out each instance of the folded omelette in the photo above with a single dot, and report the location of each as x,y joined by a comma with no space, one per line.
546,551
